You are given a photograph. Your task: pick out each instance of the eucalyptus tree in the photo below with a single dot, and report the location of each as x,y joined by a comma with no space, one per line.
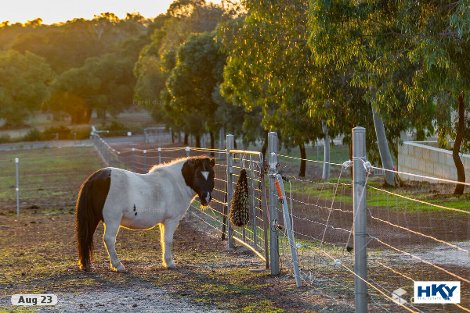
409,57
191,84
24,85
248,122
438,47
104,84
270,67
158,58
67,45
353,38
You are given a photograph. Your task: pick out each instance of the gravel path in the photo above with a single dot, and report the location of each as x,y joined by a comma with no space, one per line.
138,299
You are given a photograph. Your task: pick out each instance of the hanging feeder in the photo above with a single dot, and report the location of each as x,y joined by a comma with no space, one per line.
239,208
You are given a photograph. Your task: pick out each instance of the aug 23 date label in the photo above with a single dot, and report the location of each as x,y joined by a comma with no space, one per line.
34,299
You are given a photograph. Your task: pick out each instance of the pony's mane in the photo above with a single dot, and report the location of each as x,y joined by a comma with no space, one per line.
173,162
166,164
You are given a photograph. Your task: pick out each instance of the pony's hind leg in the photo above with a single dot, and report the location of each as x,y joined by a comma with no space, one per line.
167,229
110,233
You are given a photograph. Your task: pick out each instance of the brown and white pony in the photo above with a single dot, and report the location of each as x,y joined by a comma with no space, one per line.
121,198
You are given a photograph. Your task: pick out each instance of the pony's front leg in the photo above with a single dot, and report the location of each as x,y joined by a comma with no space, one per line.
110,233
167,229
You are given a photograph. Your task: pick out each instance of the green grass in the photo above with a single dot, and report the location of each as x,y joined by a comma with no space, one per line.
326,190
50,173
338,153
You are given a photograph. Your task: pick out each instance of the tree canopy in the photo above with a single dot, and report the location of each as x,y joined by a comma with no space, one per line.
308,70
24,85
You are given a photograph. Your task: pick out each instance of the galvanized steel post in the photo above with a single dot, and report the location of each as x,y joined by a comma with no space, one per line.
146,167
17,165
229,144
360,219
273,214
290,232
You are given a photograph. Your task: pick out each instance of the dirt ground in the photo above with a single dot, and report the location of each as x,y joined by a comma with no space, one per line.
38,256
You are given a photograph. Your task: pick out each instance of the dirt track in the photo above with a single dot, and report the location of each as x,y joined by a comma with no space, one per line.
39,256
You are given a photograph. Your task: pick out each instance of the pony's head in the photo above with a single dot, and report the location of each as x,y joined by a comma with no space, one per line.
198,173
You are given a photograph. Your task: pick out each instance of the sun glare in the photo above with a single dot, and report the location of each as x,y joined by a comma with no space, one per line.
55,11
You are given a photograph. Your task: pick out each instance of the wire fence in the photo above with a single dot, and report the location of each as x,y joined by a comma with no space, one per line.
43,178
416,232
411,234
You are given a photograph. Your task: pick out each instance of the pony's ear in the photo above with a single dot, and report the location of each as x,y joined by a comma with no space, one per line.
191,162
212,162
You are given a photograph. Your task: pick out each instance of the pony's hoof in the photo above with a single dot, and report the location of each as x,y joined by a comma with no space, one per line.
120,268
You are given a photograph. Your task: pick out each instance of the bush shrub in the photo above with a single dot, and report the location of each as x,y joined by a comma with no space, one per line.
5,139
32,135
57,132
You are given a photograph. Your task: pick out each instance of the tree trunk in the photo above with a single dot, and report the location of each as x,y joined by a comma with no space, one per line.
198,141
264,148
326,152
212,136
101,114
459,188
186,139
222,139
384,149
303,161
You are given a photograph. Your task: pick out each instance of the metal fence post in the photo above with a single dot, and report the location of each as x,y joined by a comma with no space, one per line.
229,146
145,161
360,219
17,165
273,214
187,150
159,155
251,167
133,167
290,232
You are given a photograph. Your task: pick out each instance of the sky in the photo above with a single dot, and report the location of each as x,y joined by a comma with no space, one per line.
52,11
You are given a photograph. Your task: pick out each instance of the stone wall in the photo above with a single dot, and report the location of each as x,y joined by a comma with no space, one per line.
419,157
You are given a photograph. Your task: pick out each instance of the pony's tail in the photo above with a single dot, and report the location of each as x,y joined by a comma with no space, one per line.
88,214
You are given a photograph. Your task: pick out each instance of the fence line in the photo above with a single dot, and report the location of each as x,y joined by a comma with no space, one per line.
318,232
319,192
321,213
